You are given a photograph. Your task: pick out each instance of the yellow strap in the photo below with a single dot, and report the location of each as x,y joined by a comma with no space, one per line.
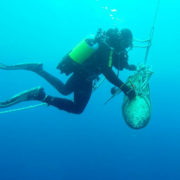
110,58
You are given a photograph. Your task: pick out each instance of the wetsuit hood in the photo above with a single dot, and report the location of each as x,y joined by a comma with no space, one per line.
119,40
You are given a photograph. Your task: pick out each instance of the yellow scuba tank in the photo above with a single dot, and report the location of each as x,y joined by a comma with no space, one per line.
82,51
77,56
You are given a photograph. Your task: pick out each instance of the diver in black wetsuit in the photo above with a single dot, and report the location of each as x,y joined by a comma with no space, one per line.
106,50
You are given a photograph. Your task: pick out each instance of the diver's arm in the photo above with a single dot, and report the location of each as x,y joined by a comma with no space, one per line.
130,67
112,77
124,60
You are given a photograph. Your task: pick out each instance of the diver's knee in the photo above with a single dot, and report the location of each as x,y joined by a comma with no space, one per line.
65,92
78,110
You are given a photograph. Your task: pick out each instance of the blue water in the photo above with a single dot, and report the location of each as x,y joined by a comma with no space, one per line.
47,144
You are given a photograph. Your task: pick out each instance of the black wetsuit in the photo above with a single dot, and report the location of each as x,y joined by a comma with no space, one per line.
81,81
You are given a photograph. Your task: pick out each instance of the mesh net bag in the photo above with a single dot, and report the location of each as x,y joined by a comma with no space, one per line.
137,112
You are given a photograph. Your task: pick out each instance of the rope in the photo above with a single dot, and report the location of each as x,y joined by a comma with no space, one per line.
114,95
96,86
22,109
152,32
140,46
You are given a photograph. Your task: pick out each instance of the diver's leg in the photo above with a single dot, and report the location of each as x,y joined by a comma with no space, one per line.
64,89
32,94
81,98
38,69
39,94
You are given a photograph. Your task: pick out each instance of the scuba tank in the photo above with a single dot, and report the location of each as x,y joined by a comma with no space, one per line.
83,51
77,56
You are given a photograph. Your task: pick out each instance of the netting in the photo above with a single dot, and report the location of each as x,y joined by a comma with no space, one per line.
137,111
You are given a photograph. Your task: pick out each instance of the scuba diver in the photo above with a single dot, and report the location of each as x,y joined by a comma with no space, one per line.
84,63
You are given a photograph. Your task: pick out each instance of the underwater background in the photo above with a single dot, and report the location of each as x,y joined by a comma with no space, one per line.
49,144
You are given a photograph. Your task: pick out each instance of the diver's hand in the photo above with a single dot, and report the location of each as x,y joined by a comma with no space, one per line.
131,94
132,67
114,90
128,91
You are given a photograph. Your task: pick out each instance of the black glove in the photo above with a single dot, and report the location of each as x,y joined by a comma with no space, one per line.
132,67
114,90
128,91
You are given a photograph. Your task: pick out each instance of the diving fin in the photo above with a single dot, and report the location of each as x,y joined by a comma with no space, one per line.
23,66
31,94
